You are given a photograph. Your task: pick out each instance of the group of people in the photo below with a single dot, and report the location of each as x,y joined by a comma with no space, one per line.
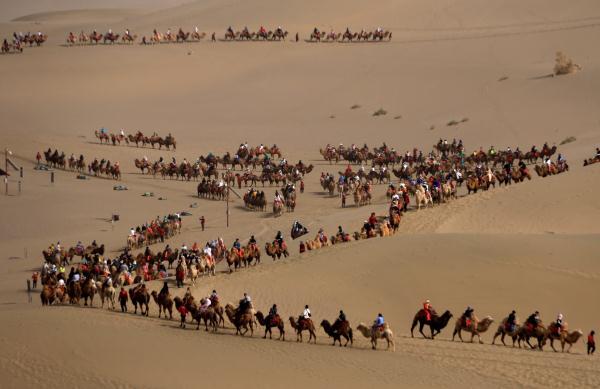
532,322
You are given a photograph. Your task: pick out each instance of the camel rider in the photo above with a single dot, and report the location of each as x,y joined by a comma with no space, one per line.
533,320
214,297
379,322
522,166
196,29
373,220
321,234
272,312
244,305
188,294
467,316
168,32
427,308
492,151
367,227
58,248
252,241
511,321
61,283
279,238
107,282
262,30
126,32
230,30
237,246
165,289
306,315
207,303
559,323
597,152
110,31
341,317
560,159
341,232
316,31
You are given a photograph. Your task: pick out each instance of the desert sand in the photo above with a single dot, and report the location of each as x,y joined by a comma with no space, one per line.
533,246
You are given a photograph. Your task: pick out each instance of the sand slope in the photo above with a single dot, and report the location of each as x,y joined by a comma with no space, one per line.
530,246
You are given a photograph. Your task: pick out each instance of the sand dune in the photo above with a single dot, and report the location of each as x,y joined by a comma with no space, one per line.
531,246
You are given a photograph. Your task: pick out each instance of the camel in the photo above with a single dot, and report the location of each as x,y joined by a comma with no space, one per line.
107,293
475,327
208,315
525,332
273,250
242,320
271,322
338,330
564,336
277,208
436,324
218,308
503,331
374,334
164,302
88,290
139,296
422,198
252,252
193,273
47,295
234,258
303,325
74,292
472,184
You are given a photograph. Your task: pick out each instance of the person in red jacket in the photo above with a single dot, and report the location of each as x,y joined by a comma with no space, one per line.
123,299
591,343
183,312
373,220
427,309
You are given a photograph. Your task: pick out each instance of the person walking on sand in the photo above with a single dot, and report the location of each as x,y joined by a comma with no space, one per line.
183,312
123,299
202,220
591,343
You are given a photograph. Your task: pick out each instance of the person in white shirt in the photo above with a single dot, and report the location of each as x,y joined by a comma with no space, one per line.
306,313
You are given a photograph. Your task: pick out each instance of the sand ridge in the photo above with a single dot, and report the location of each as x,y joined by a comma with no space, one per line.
530,246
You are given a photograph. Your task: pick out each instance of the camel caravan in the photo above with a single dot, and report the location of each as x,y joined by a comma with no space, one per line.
103,168
98,275
595,159
138,138
15,47
21,40
155,231
548,167
433,178
377,35
95,37
277,34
